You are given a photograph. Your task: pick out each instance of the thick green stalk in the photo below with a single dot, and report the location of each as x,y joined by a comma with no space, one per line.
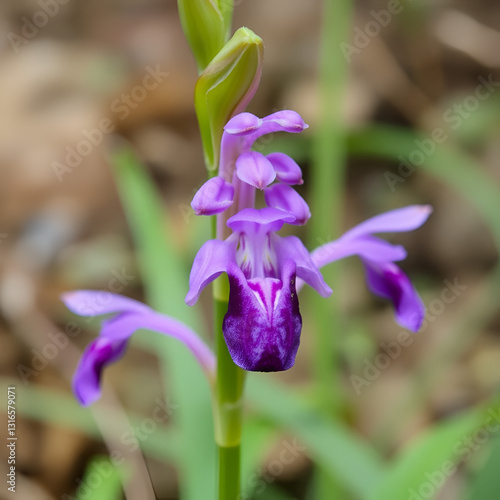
228,403
229,472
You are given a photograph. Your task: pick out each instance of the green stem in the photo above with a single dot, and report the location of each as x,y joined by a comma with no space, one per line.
228,402
229,472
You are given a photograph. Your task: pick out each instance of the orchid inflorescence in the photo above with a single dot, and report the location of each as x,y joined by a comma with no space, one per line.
263,323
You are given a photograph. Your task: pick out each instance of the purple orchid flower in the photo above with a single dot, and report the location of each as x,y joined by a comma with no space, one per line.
110,346
263,324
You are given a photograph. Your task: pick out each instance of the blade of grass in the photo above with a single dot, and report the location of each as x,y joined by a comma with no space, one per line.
426,464
38,403
485,484
332,445
257,439
165,281
274,492
163,271
102,481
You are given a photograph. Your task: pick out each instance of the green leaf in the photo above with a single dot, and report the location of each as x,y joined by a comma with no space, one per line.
206,24
225,88
38,403
424,466
258,436
163,272
485,485
102,481
165,281
273,492
329,443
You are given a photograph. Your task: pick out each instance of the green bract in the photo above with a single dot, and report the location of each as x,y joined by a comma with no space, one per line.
226,87
206,24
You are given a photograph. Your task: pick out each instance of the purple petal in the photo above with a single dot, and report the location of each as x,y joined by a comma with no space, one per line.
402,219
215,196
263,323
124,325
369,247
287,170
243,124
264,220
210,262
110,346
389,282
99,302
237,138
112,343
244,129
255,169
292,248
87,378
285,198
281,121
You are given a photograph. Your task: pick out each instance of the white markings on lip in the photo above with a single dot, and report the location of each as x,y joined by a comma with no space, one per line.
267,291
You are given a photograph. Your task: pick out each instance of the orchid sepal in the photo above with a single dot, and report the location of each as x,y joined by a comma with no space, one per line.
384,278
112,342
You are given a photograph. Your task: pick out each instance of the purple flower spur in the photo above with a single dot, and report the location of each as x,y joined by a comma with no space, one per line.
262,325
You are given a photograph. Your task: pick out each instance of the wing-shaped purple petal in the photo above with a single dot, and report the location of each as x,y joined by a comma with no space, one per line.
210,262
369,247
389,282
264,220
123,326
401,219
243,124
263,323
255,169
286,198
287,170
244,129
281,121
291,247
99,302
215,196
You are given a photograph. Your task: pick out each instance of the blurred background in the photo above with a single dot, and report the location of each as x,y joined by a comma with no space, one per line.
421,114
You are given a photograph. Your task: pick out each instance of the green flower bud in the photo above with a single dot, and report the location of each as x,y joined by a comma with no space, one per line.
206,24
226,87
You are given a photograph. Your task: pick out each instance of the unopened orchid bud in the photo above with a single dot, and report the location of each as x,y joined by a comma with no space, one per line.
206,24
226,87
